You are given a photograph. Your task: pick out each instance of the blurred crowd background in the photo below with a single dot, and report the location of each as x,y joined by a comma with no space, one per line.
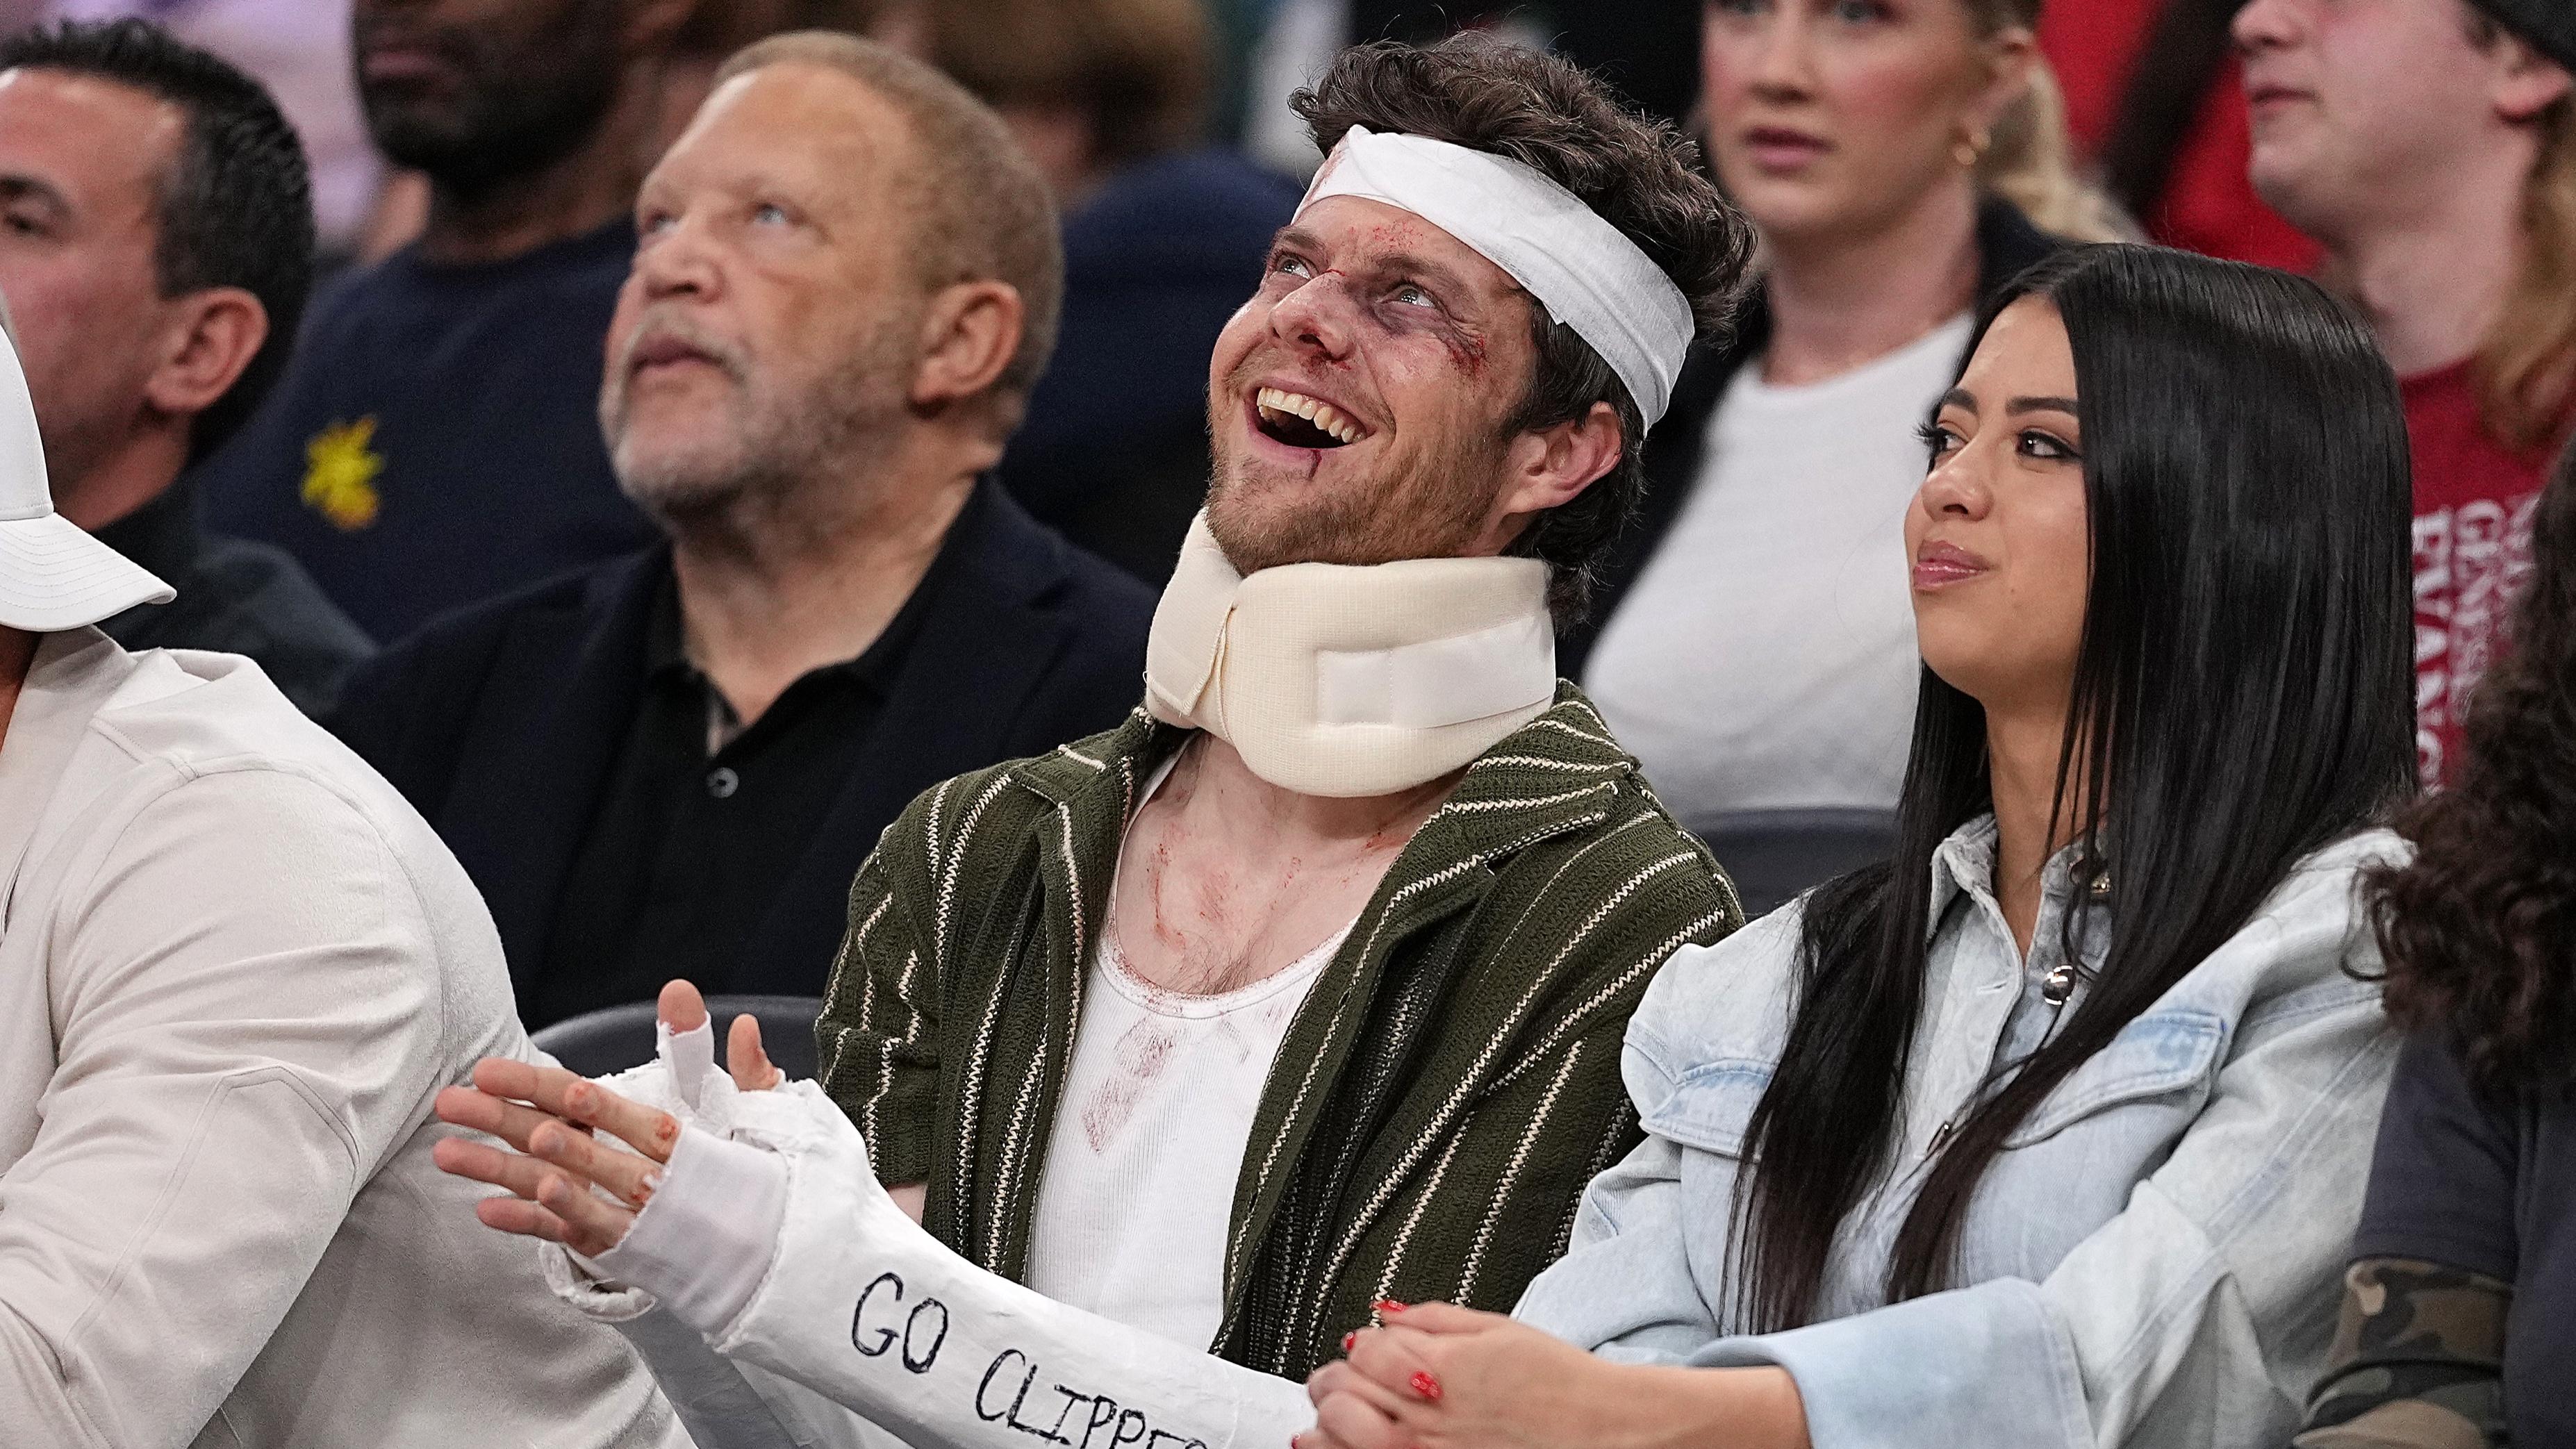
1164,129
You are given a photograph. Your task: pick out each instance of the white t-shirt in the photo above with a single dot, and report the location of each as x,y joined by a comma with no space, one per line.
1149,1137
1765,658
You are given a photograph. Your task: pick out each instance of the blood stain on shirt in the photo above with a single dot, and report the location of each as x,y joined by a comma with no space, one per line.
1140,1056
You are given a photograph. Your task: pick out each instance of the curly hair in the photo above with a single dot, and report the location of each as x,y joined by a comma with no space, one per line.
2478,931
1641,175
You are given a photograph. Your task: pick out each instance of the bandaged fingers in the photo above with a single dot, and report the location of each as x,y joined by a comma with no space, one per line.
683,1009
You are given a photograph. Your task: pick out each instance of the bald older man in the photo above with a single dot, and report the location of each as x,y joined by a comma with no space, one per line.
671,765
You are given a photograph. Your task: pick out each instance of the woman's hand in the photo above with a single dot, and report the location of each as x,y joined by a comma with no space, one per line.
1442,1377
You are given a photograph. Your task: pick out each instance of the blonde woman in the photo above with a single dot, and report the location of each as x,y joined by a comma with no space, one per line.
1751,639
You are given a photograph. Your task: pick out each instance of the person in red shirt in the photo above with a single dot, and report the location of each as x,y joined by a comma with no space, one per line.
2430,147
2154,98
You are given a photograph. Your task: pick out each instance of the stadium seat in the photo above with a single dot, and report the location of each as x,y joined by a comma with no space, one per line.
614,1038
1773,855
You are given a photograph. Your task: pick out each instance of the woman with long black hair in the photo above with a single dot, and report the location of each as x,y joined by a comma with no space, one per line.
2459,1317
2051,1130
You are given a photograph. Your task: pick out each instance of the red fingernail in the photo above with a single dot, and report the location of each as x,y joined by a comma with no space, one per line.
1425,1385
1347,1340
1388,1305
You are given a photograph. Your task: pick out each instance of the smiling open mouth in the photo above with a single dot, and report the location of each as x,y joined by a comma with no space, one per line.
1303,422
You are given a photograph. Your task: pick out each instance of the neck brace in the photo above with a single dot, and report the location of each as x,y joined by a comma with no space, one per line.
1346,681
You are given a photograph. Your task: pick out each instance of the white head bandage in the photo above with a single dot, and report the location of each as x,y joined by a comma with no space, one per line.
1343,681
1585,271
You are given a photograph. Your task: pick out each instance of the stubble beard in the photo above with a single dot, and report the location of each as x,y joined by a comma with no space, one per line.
1431,502
773,461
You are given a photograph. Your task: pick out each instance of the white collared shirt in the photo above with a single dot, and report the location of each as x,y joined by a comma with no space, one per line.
235,967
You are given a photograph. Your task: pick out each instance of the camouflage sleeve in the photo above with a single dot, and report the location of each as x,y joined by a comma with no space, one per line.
2417,1361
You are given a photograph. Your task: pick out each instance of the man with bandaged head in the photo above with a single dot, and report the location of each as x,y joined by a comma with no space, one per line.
1188,1043
235,968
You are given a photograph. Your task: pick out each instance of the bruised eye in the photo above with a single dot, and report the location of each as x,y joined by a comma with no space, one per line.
1291,265
1409,295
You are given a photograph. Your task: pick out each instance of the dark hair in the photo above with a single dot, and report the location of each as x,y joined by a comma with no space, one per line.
1137,70
2479,930
718,28
2167,92
235,206
2242,697
1641,175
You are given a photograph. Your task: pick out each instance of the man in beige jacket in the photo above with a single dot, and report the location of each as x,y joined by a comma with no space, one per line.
234,969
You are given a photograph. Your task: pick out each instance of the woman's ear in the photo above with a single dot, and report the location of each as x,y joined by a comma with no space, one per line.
213,336
2010,53
969,334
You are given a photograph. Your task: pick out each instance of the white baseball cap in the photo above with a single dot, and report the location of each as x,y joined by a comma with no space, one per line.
52,575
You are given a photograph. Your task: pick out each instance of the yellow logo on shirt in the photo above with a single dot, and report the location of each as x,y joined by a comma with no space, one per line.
340,474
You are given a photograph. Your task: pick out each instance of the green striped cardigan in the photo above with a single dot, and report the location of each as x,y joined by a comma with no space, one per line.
1441,1098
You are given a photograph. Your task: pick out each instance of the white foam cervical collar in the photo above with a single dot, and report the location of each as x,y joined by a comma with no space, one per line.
1585,271
1346,681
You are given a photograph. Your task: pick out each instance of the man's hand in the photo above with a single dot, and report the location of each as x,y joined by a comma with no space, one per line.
683,1009
541,1111
560,1171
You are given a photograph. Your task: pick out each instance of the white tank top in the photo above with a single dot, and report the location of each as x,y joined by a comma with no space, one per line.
1149,1137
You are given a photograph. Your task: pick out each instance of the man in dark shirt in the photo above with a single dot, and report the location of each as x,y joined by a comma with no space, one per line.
158,246
435,442
673,764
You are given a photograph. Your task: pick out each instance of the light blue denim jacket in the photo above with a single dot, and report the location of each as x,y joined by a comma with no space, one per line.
2154,1259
